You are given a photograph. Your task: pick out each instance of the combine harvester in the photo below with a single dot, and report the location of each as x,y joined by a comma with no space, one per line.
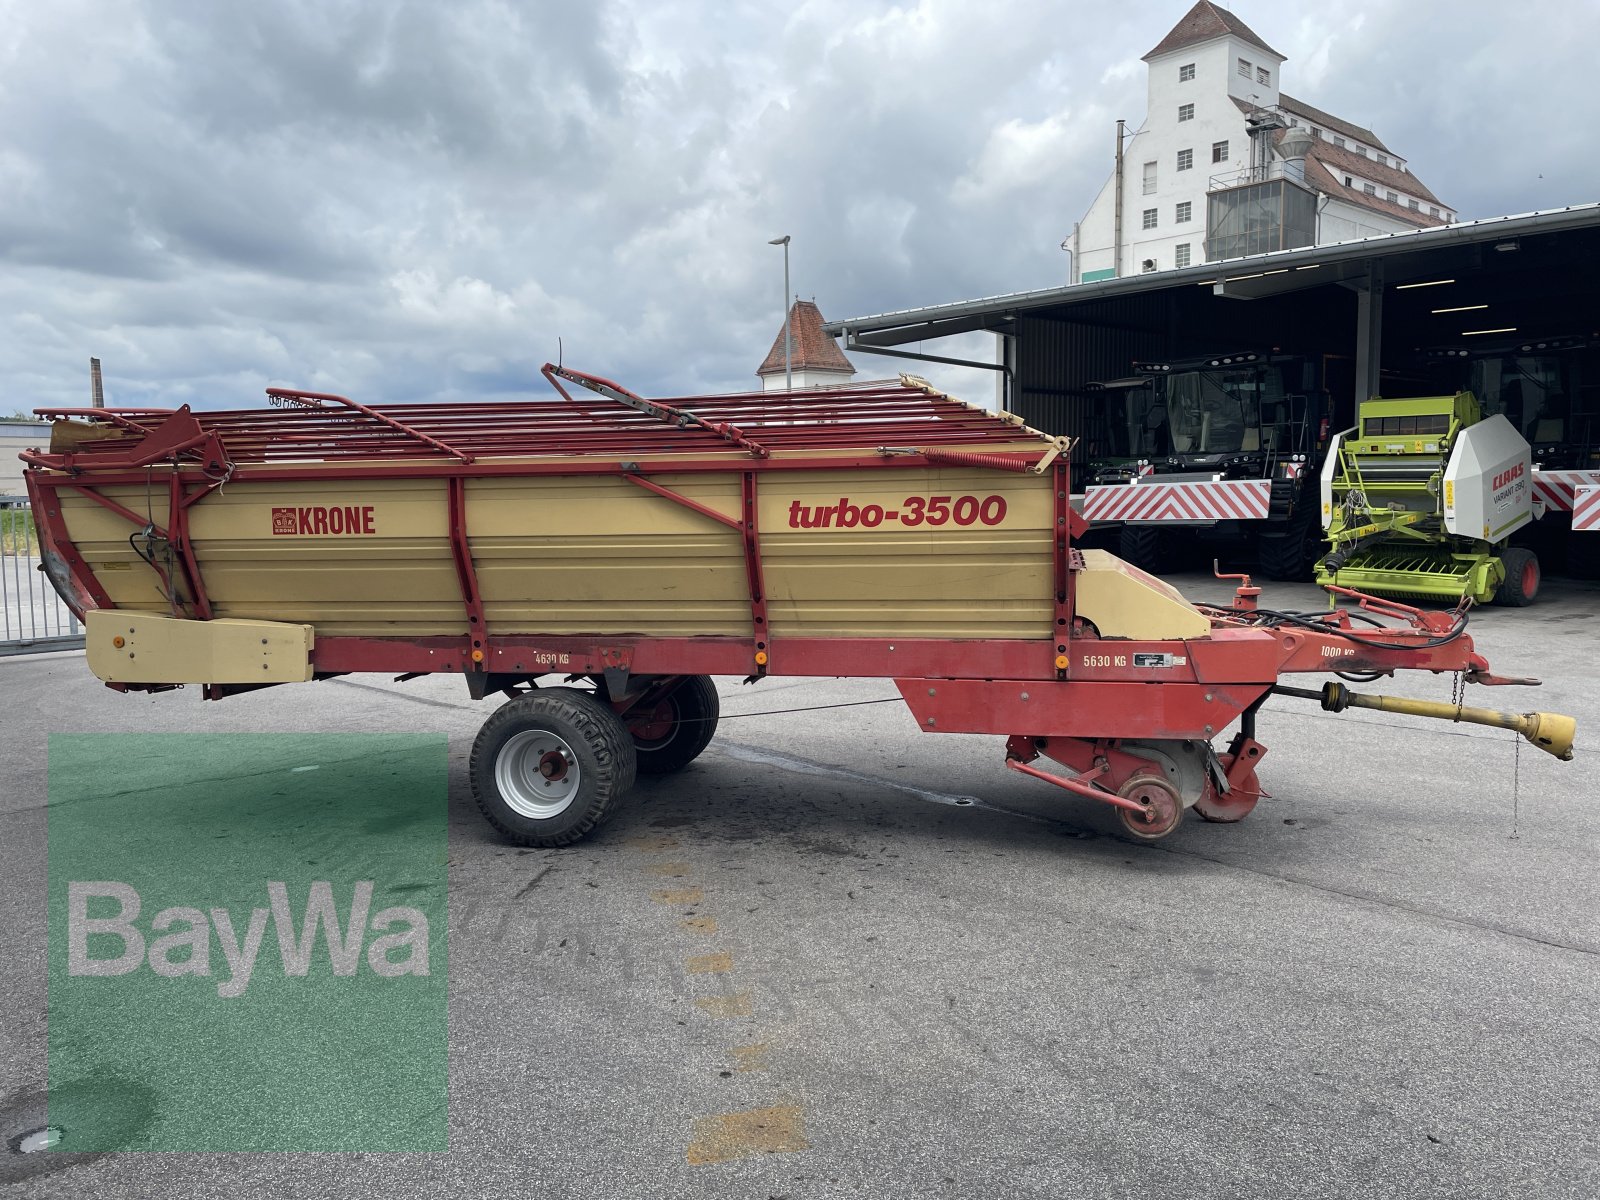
1219,451
594,559
1422,498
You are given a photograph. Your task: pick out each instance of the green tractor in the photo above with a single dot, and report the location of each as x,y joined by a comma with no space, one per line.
1421,499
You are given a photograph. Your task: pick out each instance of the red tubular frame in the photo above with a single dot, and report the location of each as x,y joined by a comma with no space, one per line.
178,535
333,398
678,416
679,498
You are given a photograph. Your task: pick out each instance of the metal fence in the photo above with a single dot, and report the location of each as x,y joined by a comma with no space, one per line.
33,618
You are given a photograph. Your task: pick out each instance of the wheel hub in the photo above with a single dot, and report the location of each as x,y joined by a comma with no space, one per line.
537,774
1160,807
656,725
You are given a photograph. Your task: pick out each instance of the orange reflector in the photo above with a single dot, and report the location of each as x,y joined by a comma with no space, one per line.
761,658
1061,662
477,656
118,642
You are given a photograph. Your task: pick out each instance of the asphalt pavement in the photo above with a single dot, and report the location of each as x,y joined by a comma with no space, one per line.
840,957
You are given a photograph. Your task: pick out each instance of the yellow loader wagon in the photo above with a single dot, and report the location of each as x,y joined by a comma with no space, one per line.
595,557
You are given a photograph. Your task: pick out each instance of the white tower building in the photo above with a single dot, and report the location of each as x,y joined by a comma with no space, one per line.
1227,164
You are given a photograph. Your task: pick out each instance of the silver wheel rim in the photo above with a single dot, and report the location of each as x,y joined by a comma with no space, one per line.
537,774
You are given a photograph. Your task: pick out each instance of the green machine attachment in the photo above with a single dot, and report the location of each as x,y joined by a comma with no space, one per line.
1421,498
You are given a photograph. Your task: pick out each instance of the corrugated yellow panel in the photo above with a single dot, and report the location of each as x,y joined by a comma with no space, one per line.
602,555
952,552
101,537
946,552
352,557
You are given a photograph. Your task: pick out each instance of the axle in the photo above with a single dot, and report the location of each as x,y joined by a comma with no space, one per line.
1551,732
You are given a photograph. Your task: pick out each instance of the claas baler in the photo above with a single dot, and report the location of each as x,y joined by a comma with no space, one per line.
1422,498
593,558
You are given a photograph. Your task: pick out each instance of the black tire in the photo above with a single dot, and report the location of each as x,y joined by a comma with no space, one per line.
1583,555
561,739
1142,546
1289,555
1521,584
693,708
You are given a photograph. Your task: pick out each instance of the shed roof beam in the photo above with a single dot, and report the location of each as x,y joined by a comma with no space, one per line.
852,344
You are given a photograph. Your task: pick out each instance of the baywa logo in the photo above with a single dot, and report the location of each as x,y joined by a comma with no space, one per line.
183,946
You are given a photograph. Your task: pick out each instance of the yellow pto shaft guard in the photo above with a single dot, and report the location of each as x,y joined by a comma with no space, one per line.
1551,732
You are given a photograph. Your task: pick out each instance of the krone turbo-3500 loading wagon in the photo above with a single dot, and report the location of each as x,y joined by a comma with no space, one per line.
624,550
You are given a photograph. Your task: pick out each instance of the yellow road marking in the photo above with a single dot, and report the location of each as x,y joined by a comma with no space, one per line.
736,1005
685,895
779,1130
672,870
654,841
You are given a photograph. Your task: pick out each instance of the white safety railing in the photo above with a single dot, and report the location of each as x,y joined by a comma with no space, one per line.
33,618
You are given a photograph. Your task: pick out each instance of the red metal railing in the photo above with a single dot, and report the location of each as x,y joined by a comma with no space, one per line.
613,423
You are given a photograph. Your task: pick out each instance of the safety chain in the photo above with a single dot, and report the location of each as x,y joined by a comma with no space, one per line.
1516,784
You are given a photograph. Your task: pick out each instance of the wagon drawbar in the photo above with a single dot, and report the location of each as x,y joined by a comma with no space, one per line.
640,546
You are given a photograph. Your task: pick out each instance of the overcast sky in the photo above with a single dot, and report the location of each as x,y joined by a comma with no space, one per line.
400,201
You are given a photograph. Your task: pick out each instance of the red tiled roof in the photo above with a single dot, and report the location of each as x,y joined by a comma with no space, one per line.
1204,22
1326,167
1326,120
813,349
1347,162
1340,161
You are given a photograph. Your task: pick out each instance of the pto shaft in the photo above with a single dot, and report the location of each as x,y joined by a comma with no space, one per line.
1551,732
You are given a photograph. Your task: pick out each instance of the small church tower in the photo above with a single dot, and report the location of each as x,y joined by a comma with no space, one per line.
815,359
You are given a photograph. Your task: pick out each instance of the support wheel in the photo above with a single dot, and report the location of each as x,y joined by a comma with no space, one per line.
1241,798
1235,804
549,766
1521,584
1160,807
670,731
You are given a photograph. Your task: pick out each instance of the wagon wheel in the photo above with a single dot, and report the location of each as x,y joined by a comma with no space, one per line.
548,766
1521,583
670,732
1161,808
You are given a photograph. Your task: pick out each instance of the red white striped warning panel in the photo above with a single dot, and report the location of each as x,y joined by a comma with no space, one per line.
1151,501
1586,508
1555,489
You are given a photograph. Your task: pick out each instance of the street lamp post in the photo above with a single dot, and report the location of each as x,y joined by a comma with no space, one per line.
788,333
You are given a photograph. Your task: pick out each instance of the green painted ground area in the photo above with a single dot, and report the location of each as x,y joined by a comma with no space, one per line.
247,942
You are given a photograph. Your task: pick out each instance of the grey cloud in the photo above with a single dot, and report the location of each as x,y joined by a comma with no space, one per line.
416,200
